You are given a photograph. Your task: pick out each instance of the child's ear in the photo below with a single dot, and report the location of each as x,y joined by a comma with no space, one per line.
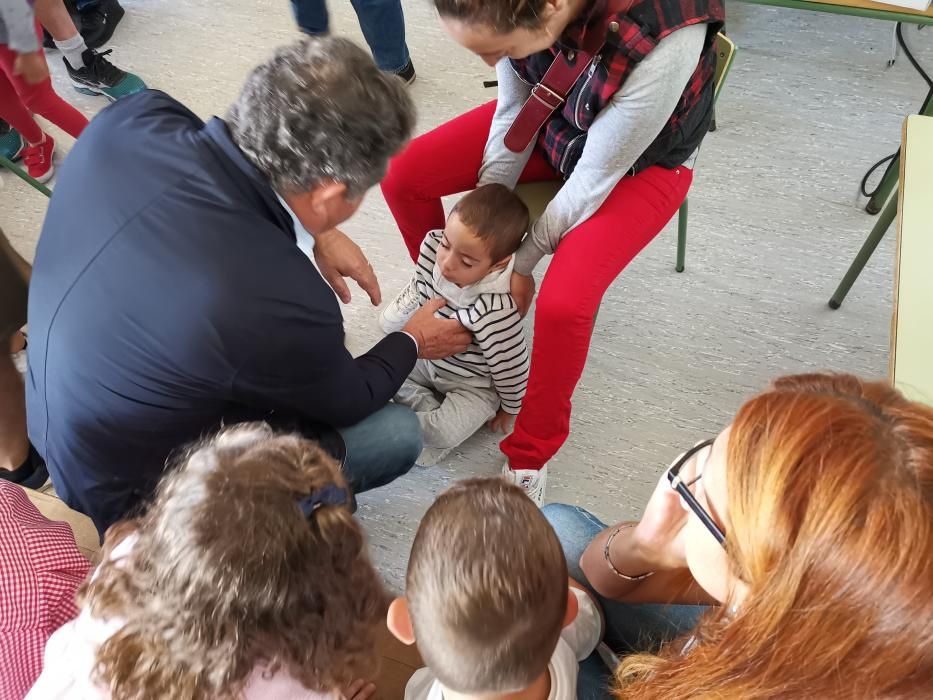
399,621
573,607
502,264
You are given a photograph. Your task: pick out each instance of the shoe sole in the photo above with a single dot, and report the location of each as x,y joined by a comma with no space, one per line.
86,90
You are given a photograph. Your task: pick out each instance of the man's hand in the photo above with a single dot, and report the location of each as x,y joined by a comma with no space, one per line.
437,337
32,67
338,257
523,291
502,423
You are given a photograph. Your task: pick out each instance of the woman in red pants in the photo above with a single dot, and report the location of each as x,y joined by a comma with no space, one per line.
631,87
26,89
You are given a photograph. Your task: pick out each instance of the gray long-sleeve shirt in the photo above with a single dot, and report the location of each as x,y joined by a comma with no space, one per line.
621,132
18,26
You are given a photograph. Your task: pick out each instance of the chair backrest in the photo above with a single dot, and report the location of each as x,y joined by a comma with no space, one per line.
725,54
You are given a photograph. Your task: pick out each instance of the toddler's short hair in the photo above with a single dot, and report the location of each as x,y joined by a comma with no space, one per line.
497,216
486,588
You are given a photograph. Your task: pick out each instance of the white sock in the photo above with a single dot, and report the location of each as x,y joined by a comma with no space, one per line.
72,49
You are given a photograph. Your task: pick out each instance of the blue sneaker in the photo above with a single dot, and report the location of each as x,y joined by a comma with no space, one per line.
98,76
11,143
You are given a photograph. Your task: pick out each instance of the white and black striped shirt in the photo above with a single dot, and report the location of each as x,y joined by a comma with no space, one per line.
498,349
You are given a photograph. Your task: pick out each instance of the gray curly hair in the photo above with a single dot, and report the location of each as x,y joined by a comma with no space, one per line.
319,110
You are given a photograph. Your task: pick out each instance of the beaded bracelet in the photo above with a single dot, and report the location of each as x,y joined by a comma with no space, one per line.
612,568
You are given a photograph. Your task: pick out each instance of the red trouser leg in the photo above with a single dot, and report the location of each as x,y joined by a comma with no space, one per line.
439,163
14,112
587,261
39,99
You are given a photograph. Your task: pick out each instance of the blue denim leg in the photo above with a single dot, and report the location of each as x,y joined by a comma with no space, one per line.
311,16
381,448
383,25
630,627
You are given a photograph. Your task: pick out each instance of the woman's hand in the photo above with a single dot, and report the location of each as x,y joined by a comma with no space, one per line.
32,67
338,257
358,690
655,544
502,423
523,291
659,535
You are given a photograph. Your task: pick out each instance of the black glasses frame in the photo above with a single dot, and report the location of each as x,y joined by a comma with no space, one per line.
683,490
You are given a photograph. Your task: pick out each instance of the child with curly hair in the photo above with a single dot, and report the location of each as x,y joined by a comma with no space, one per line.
247,578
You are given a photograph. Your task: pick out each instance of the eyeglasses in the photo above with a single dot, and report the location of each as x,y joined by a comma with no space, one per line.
685,489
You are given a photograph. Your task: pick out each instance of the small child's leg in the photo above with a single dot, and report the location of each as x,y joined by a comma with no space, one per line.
463,411
13,111
418,391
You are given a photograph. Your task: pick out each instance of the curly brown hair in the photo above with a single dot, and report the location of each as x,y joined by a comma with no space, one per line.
226,573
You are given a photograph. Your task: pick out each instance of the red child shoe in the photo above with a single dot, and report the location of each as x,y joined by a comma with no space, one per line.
38,159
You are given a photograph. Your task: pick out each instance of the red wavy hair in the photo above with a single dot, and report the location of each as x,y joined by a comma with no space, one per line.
830,503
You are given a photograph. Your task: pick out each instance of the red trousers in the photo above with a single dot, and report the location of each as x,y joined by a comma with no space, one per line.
446,161
19,101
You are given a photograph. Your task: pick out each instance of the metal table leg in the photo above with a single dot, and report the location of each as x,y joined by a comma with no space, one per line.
868,247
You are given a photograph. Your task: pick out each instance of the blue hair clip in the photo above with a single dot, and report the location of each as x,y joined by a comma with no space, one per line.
330,495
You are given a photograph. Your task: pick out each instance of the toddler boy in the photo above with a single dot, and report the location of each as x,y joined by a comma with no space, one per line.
488,602
468,264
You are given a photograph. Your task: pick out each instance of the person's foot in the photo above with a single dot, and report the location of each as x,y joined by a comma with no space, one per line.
38,159
531,481
32,474
11,143
407,73
397,312
98,76
98,23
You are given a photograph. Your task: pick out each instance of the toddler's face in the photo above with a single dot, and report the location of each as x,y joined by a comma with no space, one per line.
464,258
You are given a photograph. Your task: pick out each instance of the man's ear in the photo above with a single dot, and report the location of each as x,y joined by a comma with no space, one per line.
314,208
399,621
573,608
326,195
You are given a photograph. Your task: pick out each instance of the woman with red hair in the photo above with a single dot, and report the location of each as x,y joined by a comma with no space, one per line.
800,537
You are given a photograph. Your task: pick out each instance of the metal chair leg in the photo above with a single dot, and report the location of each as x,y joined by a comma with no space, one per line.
888,183
19,172
681,237
868,247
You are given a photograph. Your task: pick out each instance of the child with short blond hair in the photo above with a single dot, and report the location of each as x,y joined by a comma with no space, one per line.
487,601
248,577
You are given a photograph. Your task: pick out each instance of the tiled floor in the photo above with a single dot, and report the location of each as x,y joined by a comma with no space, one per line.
774,223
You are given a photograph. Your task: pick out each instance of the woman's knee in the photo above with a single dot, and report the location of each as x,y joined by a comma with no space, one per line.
575,528
563,309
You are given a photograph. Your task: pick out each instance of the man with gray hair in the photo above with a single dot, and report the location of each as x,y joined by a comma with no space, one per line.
169,296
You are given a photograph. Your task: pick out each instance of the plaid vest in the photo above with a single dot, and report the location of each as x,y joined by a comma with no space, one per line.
633,33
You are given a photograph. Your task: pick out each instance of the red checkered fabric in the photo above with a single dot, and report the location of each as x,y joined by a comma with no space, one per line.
40,569
641,25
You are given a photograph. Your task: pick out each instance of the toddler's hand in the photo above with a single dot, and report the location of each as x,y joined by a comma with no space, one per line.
502,423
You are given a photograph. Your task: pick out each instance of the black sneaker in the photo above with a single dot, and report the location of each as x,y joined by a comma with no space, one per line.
32,474
99,22
98,76
407,73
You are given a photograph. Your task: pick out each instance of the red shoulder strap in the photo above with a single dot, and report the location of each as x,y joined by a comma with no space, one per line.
550,94
545,99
